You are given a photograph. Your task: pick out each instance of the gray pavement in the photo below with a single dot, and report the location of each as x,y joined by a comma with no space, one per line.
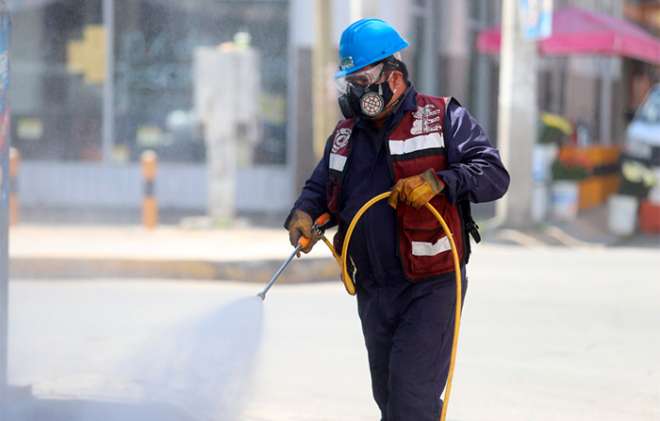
548,334
246,254
91,252
163,243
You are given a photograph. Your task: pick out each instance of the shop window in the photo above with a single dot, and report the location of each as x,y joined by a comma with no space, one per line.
58,72
56,113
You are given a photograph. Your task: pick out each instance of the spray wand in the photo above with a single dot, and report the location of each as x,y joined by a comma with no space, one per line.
319,226
318,229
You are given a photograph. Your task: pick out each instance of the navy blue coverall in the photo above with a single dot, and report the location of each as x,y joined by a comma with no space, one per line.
408,328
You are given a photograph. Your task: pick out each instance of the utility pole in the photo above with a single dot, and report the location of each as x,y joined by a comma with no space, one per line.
364,9
428,48
322,58
109,82
5,28
518,116
483,83
605,115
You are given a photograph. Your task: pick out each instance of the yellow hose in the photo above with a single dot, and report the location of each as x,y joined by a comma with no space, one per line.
332,249
350,285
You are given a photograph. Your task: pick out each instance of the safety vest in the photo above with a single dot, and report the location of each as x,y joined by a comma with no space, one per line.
414,146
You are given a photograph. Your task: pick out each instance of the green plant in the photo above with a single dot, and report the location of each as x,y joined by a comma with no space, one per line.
568,172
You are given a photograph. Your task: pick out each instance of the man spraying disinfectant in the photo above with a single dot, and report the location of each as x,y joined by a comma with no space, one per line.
425,150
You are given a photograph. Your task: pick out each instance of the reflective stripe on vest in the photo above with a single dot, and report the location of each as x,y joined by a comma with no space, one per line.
421,248
433,140
337,162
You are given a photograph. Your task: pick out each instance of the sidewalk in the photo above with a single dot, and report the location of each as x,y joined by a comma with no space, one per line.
588,230
242,254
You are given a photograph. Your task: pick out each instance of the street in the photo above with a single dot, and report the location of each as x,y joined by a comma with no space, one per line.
159,158
548,334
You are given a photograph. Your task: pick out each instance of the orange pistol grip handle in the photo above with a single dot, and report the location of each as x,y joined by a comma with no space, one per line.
320,222
304,242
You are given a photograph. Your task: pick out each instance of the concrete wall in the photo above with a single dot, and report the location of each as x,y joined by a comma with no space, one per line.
300,150
178,186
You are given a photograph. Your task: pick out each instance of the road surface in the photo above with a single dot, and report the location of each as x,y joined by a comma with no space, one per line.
548,334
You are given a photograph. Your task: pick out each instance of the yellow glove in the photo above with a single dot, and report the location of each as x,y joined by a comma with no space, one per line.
301,225
417,190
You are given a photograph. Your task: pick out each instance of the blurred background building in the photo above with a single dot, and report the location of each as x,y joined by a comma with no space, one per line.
83,108
61,64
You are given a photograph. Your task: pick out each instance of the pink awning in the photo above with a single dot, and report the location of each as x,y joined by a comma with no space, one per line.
579,31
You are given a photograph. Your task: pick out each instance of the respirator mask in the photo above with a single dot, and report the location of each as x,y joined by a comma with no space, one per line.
361,95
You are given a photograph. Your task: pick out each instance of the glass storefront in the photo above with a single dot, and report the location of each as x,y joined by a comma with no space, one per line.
58,65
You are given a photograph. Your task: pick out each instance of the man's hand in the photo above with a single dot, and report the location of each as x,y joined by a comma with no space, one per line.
301,225
417,190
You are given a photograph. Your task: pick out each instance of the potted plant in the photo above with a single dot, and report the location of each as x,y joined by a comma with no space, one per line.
637,179
565,188
553,131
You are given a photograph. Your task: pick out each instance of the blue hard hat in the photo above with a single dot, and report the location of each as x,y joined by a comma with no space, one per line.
365,42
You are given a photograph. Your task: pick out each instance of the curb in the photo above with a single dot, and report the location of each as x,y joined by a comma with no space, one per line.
303,270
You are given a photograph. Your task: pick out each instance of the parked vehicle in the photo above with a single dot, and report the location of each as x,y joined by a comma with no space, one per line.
643,133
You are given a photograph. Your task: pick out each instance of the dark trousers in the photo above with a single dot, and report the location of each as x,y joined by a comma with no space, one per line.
408,330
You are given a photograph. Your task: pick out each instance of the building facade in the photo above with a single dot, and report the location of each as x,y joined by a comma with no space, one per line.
81,141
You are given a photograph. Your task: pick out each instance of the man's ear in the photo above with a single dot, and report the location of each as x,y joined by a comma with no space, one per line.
397,82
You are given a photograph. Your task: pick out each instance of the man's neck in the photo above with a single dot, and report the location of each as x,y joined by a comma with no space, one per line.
380,122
